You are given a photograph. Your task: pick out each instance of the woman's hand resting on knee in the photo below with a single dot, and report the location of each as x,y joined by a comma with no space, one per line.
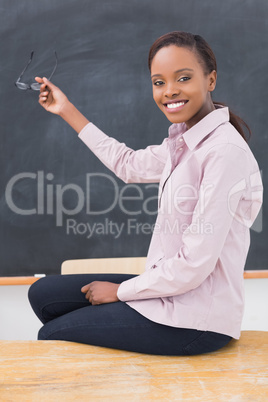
101,292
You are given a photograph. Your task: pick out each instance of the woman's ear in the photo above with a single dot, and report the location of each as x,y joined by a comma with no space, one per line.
212,79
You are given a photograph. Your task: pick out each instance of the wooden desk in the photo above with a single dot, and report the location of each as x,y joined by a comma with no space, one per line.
54,371
28,280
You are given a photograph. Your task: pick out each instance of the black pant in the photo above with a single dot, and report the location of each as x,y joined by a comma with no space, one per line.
61,306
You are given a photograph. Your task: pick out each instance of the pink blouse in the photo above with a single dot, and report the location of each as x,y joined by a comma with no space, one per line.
210,193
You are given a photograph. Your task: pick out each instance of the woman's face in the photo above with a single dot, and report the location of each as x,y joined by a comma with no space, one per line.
181,89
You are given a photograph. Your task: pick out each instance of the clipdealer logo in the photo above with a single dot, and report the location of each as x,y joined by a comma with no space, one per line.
52,198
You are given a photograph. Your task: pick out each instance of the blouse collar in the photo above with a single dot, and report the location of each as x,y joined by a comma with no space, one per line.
199,131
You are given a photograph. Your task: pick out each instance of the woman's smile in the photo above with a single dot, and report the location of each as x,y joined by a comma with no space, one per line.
175,106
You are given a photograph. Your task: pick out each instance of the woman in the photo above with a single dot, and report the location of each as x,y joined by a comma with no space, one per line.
189,300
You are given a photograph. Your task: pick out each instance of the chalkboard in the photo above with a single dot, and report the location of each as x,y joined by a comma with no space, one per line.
53,189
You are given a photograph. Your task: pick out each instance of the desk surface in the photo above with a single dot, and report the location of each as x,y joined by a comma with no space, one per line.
57,370
28,280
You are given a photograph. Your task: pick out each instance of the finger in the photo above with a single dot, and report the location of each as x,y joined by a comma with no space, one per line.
49,84
44,94
39,79
85,288
42,98
43,87
90,297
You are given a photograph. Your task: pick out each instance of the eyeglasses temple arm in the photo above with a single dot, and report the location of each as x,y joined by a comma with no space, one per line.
54,69
25,68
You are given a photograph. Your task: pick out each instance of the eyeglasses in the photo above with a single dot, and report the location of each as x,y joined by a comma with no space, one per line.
35,86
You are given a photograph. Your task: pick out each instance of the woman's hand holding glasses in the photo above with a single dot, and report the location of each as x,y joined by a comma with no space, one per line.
51,97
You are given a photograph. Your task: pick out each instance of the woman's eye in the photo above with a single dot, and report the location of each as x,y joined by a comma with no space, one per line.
158,83
182,79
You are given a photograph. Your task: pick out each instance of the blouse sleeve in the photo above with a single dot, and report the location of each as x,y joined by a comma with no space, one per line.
142,166
228,200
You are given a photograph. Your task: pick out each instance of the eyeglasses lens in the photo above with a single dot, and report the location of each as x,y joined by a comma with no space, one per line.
21,85
35,86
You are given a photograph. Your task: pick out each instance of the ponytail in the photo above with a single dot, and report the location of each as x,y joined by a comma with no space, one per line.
237,122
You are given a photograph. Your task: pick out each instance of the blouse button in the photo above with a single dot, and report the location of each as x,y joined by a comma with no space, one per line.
180,149
181,139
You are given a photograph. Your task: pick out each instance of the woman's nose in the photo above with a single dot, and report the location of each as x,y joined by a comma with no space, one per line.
171,90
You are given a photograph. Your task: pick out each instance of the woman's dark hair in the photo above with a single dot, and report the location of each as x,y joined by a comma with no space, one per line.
206,58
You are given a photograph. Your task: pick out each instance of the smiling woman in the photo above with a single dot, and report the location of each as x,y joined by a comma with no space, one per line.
199,67
190,298
182,94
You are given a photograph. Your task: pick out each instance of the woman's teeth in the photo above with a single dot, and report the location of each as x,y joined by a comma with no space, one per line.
174,105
